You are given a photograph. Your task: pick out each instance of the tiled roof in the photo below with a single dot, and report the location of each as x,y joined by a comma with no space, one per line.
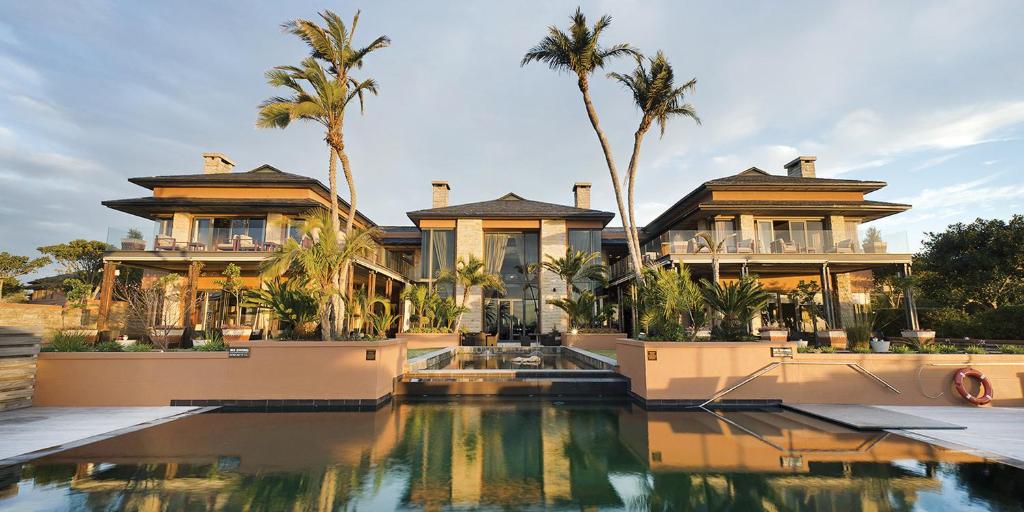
146,206
755,176
400,235
511,206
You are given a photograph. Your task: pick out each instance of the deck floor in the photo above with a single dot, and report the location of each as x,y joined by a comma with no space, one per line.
993,432
36,431
870,417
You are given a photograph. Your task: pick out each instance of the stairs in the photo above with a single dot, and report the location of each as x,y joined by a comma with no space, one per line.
596,384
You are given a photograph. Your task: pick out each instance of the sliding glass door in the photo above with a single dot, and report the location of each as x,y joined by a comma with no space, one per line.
513,314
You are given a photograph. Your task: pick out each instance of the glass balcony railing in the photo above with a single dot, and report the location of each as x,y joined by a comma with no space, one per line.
778,242
208,240
128,239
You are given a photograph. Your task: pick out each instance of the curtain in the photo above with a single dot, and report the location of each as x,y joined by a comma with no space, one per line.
495,251
439,240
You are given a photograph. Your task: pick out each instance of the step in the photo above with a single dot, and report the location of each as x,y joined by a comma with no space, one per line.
596,387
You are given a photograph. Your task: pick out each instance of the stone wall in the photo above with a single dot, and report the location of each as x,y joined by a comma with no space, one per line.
553,242
44,317
469,241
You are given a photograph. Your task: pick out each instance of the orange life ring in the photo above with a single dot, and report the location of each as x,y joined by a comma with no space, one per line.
958,381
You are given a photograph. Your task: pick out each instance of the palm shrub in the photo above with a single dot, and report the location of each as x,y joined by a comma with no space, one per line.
446,312
289,302
421,298
579,310
469,274
382,321
574,267
738,302
669,302
362,307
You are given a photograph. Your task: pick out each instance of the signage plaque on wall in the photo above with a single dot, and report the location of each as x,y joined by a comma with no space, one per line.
652,355
782,351
371,355
238,352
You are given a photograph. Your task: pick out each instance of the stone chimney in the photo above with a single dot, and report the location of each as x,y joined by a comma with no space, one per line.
801,167
217,163
581,193
439,194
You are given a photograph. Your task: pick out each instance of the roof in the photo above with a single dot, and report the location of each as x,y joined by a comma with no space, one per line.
759,178
263,176
146,207
511,206
400,235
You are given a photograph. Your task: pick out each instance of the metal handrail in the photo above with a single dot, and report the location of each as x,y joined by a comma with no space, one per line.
765,369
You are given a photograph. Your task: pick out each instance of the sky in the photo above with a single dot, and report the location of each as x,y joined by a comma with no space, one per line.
927,96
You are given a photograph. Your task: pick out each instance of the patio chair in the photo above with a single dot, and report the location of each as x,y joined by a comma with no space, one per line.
843,247
783,247
245,243
229,245
745,246
164,243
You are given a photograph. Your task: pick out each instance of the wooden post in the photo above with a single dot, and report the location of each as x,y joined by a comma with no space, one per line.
106,299
371,285
189,302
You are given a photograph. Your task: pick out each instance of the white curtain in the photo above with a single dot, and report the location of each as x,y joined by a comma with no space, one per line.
495,251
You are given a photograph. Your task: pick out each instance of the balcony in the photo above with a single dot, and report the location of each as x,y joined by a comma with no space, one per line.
778,242
215,240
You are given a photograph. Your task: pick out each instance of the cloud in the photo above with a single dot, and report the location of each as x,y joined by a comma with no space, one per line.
932,162
970,194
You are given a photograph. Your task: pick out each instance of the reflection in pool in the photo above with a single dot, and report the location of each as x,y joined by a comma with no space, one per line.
509,456
521,360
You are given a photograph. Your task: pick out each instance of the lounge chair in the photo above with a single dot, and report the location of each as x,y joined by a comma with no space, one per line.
843,247
164,243
781,246
229,245
745,246
245,243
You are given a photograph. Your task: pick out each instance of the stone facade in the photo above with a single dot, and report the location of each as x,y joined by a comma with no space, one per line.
553,242
439,194
469,241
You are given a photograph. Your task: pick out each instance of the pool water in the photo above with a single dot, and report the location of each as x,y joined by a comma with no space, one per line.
504,360
509,456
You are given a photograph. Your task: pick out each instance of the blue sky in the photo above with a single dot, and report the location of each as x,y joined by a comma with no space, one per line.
927,96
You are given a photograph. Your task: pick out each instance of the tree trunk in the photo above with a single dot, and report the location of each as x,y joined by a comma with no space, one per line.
631,241
325,323
634,161
347,169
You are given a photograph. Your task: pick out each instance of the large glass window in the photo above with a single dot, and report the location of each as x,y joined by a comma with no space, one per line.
587,241
514,257
225,234
437,253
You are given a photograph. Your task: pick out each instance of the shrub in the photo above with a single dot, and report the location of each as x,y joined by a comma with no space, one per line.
1011,349
68,341
1002,323
429,330
139,347
108,346
929,348
975,349
861,349
948,349
859,332
828,349
213,345
901,349
807,350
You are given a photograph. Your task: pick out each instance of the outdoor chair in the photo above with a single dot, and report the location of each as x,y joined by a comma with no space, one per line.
843,247
164,243
745,246
781,246
245,243
229,245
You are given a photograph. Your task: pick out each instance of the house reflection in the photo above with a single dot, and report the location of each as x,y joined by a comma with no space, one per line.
502,455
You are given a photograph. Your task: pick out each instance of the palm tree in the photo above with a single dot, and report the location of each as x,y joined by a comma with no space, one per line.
469,274
738,302
580,53
575,266
715,248
420,297
658,98
320,261
332,43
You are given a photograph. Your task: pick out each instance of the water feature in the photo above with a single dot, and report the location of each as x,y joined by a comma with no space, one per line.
511,455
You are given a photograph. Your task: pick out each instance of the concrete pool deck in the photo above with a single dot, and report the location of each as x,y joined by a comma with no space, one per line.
33,432
995,433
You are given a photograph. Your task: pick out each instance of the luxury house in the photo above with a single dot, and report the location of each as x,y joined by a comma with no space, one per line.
783,228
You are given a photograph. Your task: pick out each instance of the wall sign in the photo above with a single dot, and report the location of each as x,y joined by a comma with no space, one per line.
371,355
782,351
652,355
238,352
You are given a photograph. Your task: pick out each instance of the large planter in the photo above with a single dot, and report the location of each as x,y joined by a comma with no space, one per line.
133,244
835,338
774,334
168,337
417,340
235,333
879,346
875,247
920,336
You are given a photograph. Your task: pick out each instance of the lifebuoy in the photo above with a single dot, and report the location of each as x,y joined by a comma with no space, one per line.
964,373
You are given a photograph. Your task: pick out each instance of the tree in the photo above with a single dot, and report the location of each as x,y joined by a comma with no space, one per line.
580,53
976,266
420,297
12,266
233,285
319,261
656,95
574,267
804,297
469,274
157,304
81,259
738,302
706,240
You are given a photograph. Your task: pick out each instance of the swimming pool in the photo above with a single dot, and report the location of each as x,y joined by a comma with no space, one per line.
510,455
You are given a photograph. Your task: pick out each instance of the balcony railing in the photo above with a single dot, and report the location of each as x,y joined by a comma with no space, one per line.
215,240
777,242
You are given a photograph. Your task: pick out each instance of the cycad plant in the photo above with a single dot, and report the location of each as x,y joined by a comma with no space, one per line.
574,267
287,300
738,302
580,53
319,261
652,84
469,274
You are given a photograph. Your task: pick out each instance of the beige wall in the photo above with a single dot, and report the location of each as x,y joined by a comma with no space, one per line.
693,371
274,371
553,242
594,341
429,340
469,241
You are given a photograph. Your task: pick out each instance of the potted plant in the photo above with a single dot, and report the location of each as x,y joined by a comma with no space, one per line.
879,346
232,285
873,241
134,241
803,296
774,332
918,336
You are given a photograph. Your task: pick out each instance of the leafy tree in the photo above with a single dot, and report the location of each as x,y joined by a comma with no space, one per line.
233,285
659,99
974,266
12,266
78,293
469,274
580,53
81,259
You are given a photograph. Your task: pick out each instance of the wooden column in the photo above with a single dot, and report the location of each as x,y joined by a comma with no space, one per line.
189,302
908,302
351,284
106,299
371,285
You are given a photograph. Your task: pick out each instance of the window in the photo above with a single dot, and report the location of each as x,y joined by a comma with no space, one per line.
293,229
588,241
164,227
219,232
725,229
437,253
853,234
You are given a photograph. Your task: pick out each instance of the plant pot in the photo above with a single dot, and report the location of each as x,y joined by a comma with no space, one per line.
801,343
703,334
835,338
126,343
199,343
236,333
774,334
920,336
875,247
879,346
133,244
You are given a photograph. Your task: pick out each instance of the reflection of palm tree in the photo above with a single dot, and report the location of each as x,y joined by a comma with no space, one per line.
529,273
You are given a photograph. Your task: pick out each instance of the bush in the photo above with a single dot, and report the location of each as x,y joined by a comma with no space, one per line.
975,349
213,345
429,330
68,341
108,346
827,349
948,349
901,349
929,348
861,349
1002,323
139,347
1011,349
806,350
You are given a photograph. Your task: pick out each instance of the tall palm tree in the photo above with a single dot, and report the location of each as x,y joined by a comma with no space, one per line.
469,274
656,95
319,261
333,44
575,266
579,52
715,248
